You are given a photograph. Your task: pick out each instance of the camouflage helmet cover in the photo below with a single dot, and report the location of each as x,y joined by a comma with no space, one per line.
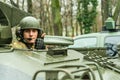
29,22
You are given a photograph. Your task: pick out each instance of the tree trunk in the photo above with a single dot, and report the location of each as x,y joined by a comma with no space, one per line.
29,6
104,10
117,11
57,26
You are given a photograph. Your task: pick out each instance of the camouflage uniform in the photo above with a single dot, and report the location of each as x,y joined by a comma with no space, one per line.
19,45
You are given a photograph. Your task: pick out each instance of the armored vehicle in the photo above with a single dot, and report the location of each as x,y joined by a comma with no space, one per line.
96,39
58,62
109,34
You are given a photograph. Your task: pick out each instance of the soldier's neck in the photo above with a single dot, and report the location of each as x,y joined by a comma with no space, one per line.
30,46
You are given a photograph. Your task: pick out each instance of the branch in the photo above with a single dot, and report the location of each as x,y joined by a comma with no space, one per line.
14,4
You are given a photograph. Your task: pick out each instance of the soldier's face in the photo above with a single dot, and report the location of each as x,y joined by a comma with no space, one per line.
30,35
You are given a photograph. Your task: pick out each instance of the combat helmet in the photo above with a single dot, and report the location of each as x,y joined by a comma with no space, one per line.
28,22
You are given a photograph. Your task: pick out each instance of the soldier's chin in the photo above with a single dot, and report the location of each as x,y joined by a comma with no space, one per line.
31,42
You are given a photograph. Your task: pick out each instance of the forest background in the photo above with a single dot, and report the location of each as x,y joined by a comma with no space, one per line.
70,17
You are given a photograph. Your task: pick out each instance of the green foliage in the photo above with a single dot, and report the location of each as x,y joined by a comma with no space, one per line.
87,14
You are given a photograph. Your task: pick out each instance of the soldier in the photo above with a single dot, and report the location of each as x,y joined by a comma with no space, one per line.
29,36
